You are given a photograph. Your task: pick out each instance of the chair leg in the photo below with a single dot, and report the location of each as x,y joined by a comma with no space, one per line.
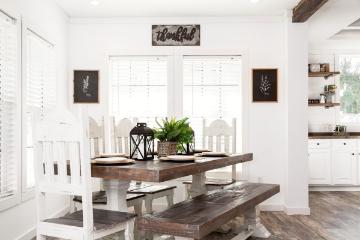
148,204
170,198
129,232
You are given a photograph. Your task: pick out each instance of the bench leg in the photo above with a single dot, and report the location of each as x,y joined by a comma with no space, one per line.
252,220
129,232
148,204
198,186
170,198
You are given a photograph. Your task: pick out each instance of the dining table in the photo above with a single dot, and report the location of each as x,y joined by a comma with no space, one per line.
116,178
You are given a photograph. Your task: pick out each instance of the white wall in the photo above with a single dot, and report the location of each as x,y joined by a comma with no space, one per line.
47,19
263,42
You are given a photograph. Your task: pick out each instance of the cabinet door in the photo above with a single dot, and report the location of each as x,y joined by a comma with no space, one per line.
320,167
344,167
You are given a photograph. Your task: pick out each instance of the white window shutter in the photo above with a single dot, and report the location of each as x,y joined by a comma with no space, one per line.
9,91
40,94
212,90
138,87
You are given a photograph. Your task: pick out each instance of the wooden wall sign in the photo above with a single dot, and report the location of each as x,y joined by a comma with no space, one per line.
176,35
265,85
86,86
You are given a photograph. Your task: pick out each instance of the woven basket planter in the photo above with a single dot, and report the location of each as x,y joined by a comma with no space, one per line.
166,148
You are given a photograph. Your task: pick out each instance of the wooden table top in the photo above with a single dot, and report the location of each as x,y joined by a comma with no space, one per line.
160,171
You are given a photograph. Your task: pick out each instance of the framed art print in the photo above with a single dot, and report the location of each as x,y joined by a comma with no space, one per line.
86,86
265,85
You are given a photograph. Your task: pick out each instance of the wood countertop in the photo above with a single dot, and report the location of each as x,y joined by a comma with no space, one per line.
330,135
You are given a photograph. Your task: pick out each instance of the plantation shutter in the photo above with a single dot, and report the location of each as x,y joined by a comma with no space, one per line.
138,87
212,90
40,92
9,105
41,75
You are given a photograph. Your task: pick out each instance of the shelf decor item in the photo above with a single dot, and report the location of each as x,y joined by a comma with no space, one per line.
172,134
265,85
86,86
142,142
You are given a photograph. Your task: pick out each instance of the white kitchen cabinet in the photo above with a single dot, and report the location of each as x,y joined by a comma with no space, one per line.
319,166
344,168
334,162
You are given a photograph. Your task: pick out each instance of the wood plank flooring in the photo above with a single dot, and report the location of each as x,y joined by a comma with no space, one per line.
334,216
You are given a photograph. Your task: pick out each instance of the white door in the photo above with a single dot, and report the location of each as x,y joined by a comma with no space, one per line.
344,162
319,166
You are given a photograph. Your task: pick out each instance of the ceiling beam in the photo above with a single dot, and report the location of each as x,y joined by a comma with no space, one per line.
305,9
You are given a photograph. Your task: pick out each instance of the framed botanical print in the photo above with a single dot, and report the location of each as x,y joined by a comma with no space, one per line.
265,85
86,86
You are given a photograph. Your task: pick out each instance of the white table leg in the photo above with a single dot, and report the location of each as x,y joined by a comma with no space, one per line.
116,194
198,186
252,220
116,201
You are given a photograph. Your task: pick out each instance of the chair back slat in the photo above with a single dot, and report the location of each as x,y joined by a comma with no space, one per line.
59,151
121,131
96,136
224,136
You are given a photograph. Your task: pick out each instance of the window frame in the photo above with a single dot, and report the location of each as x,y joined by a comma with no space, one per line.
26,192
175,85
15,199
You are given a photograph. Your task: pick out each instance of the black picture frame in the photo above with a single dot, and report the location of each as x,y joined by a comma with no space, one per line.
86,86
265,85
176,35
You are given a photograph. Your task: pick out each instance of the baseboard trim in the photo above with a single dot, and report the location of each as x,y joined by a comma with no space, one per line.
297,211
31,233
334,188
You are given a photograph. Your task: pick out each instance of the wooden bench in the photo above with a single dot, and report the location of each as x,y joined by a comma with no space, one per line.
152,192
99,198
197,217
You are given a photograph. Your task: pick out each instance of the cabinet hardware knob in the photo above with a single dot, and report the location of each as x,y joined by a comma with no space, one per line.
344,143
317,143
353,154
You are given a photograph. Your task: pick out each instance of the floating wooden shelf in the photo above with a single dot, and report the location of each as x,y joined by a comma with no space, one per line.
324,104
323,74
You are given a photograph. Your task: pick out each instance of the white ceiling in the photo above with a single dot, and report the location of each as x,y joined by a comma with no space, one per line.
174,8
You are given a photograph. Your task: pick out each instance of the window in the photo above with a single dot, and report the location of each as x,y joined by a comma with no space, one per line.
350,88
9,109
138,87
40,94
212,91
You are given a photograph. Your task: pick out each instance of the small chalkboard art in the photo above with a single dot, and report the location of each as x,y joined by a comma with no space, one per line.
265,85
86,86
176,35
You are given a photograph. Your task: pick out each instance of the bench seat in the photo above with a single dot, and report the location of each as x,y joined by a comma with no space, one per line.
195,218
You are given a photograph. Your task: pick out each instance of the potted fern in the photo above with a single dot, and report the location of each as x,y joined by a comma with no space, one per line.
172,134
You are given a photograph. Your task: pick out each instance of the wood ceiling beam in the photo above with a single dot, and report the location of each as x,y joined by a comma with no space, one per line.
305,9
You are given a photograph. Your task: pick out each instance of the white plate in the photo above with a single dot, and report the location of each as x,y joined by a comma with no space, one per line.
109,155
112,160
178,158
214,154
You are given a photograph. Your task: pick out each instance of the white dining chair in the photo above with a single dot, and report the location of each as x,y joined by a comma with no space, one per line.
96,136
121,131
97,140
62,163
218,136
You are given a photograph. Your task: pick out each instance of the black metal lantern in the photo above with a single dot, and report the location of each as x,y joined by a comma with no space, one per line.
189,148
142,142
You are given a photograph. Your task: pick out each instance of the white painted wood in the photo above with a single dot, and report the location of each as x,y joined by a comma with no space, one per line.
344,166
198,186
319,166
97,136
224,136
54,136
252,221
120,134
